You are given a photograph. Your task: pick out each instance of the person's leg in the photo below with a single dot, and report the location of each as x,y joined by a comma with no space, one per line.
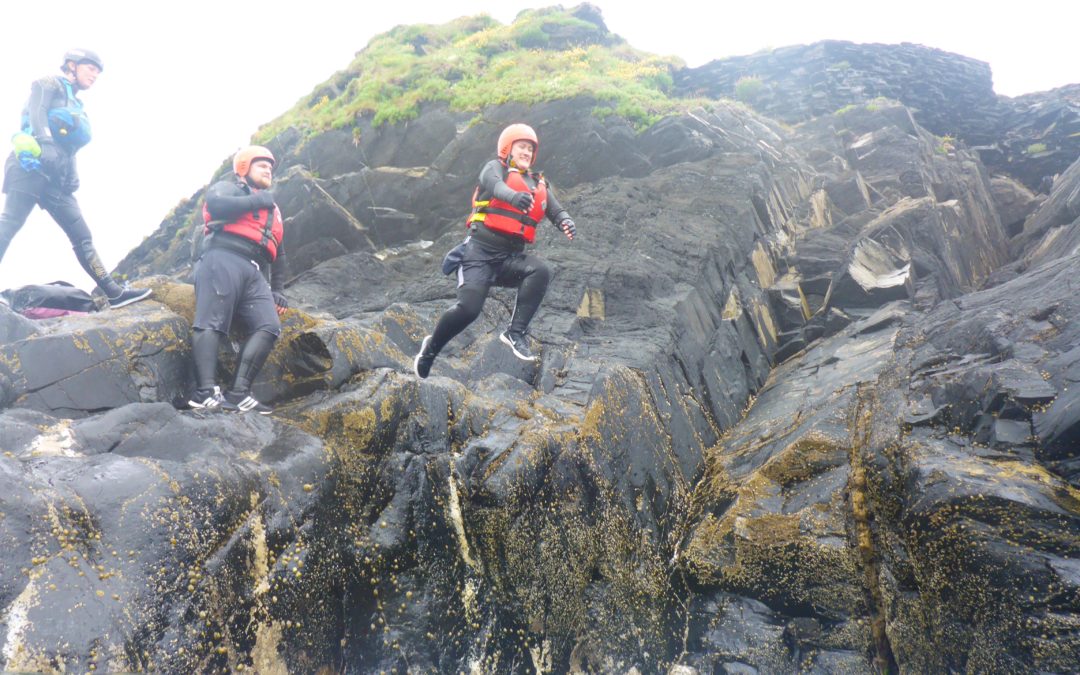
65,210
252,357
17,208
470,302
256,309
531,276
204,352
216,282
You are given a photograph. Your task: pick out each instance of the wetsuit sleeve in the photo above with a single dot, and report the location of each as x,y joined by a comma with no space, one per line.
226,200
491,182
555,212
37,108
279,269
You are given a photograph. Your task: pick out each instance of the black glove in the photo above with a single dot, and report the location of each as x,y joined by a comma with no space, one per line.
568,228
50,155
522,201
280,302
262,200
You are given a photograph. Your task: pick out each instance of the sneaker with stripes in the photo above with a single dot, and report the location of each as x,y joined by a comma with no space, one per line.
239,401
205,399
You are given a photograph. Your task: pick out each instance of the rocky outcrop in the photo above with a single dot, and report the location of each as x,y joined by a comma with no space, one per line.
1030,137
803,402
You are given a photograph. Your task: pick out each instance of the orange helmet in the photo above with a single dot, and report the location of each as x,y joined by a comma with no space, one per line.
241,161
514,133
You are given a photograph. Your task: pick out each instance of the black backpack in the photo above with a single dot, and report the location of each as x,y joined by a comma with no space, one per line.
56,295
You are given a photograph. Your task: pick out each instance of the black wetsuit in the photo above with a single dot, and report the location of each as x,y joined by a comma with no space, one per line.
234,278
492,258
51,187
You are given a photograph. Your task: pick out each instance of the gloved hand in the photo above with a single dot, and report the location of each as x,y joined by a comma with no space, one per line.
50,156
280,301
568,228
262,200
522,201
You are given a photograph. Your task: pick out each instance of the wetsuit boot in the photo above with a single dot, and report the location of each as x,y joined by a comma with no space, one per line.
204,352
252,357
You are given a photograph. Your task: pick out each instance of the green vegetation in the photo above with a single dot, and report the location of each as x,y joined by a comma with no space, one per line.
748,88
1036,148
474,62
946,144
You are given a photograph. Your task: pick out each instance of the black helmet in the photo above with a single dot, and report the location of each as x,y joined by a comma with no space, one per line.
82,56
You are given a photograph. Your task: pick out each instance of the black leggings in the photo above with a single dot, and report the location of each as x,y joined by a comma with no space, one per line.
204,347
531,278
66,212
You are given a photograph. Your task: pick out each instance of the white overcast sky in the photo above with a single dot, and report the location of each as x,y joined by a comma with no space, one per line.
187,83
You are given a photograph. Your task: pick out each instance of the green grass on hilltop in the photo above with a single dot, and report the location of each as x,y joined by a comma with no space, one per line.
474,62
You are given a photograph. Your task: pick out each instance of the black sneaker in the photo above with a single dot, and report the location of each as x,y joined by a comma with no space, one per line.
422,362
128,296
243,402
518,344
205,399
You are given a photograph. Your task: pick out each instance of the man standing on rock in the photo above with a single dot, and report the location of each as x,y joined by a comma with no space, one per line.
240,274
508,204
41,169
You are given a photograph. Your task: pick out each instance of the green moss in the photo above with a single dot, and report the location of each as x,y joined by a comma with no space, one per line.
748,89
474,62
1036,148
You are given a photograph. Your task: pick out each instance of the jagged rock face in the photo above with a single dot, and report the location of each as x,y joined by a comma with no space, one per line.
1029,137
775,426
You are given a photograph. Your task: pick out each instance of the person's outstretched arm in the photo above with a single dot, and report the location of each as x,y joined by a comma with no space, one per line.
226,200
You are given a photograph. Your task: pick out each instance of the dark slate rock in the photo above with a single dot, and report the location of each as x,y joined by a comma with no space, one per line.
619,504
14,327
1050,232
1014,202
176,501
98,362
952,96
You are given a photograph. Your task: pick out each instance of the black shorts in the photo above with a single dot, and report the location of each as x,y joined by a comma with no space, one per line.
228,286
483,266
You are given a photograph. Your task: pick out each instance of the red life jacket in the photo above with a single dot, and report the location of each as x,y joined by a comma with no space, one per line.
262,227
500,216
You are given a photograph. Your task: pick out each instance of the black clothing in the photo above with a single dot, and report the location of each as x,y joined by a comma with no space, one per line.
204,351
492,258
65,210
252,357
492,184
227,200
234,278
482,268
229,286
51,187
46,94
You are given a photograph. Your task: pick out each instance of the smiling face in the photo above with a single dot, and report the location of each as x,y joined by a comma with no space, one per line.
261,174
83,75
521,154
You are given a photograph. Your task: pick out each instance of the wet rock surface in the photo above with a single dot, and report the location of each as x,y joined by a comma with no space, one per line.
804,402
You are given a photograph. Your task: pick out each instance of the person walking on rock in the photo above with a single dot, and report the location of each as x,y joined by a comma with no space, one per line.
41,171
240,275
508,204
